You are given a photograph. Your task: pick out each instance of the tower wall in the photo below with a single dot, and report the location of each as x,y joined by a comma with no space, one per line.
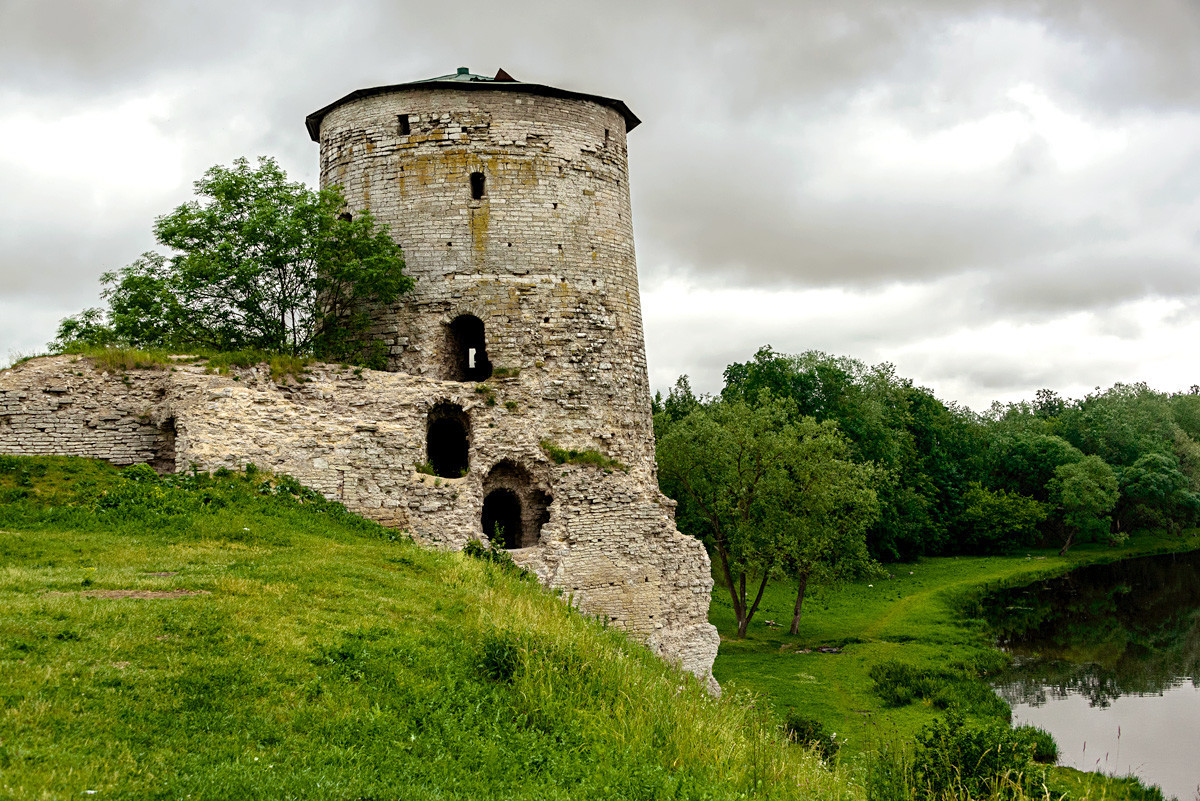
544,258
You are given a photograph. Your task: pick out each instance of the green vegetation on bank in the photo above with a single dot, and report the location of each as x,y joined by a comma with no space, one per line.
879,661
236,636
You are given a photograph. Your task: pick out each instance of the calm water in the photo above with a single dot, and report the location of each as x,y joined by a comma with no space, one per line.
1108,661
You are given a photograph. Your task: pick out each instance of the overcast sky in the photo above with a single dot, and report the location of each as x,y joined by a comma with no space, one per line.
993,196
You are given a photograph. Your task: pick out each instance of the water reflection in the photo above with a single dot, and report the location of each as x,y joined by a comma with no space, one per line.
1106,651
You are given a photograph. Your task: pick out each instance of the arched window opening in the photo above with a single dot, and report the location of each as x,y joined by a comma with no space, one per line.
502,519
448,440
477,185
466,350
515,505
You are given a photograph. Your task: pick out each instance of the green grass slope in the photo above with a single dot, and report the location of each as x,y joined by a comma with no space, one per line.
238,637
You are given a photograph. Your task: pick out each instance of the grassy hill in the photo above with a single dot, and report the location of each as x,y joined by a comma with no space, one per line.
239,637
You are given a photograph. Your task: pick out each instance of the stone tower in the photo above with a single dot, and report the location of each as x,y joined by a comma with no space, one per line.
517,401
511,202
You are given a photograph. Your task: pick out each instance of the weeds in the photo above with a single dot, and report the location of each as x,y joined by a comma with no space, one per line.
589,457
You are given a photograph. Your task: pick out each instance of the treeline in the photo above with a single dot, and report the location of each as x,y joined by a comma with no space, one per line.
945,480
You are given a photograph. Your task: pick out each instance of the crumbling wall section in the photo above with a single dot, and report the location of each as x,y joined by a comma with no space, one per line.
357,436
64,405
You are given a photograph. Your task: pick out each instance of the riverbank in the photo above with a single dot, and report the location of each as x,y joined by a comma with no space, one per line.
920,615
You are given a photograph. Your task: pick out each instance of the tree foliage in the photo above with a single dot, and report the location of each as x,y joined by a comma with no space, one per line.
260,263
770,492
1050,471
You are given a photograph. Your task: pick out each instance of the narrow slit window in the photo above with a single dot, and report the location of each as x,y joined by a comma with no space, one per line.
405,128
477,184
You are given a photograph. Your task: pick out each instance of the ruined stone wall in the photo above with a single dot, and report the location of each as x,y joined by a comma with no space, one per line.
545,258
356,436
61,406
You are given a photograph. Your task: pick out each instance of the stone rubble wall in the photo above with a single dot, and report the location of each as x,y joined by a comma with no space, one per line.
356,436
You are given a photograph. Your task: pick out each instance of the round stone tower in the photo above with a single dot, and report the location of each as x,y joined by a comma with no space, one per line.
511,202
520,343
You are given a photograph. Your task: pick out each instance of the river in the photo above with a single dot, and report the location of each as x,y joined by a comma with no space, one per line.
1107,659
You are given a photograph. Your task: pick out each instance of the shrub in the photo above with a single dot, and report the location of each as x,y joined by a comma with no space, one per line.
591,457
1042,745
953,759
810,732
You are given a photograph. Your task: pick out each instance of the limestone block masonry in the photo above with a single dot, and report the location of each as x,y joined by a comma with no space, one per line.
523,330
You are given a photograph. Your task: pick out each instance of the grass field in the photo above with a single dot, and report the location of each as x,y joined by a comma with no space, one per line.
234,637
237,636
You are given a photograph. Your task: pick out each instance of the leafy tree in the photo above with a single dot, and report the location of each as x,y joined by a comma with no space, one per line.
832,505
761,488
994,521
1155,492
261,263
1119,424
1085,492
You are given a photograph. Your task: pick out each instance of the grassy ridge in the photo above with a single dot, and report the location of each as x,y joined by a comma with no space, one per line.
300,652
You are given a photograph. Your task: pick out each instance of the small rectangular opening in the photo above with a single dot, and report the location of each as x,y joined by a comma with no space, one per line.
477,181
405,128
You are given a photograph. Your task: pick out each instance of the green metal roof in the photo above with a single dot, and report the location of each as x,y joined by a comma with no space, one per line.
463,74
465,79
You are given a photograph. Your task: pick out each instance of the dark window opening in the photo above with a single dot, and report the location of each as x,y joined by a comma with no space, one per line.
606,137
502,518
466,350
405,127
345,216
448,440
477,181
164,448
514,510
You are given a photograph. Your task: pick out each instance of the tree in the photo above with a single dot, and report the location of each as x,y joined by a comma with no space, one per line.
994,521
761,489
261,263
1085,492
1155,492
833,504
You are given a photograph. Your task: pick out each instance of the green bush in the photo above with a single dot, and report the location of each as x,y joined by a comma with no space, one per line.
810,732
954,759
1041,743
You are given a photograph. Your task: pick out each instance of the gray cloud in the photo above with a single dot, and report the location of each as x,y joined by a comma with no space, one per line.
744,174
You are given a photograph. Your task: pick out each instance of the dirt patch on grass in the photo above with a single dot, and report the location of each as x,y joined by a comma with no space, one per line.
139,594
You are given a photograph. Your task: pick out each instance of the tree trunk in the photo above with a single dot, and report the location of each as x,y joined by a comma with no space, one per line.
1067,544
803,585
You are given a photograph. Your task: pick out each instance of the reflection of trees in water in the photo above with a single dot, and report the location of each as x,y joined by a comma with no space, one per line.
1102,631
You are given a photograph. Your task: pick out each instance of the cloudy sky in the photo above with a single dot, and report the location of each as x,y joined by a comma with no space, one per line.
993,196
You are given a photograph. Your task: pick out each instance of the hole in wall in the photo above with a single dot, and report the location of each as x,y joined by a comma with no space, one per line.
164,448
513,508
345,216
404,124
448,440
465,354
477,185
